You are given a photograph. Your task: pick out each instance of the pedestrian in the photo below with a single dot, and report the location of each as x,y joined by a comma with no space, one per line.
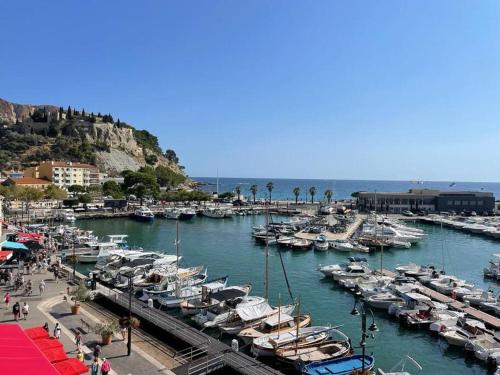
25,310
6,299
46,327
97,351
41,287
78,340
105,367
80,356
16,310
56,273
94,368
57,331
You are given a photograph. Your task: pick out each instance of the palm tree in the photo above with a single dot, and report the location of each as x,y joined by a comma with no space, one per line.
296,192
253,189
270,188
238,191
312,191
328,195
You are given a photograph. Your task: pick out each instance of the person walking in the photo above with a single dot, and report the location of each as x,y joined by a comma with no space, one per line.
16,310
57,331
6,299
41,287
97,351
80,356
46,327
78,340
105,367
94,368
25,310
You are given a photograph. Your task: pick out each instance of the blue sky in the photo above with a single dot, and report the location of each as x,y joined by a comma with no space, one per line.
299,89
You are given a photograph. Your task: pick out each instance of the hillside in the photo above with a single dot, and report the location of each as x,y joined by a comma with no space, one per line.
33,133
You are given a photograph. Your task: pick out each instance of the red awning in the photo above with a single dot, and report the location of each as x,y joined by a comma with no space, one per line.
55,355
48,343
35,333
29,235
5,255
71,366
19,355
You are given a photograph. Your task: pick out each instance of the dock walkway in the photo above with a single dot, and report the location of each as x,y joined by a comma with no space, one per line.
215,354
486,318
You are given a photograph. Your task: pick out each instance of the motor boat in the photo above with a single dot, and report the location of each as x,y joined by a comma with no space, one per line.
214,213
401,367
356,246
484,346
330,269
493,307
353,270
172,213
285,241
321,243
144,214
274,324
301,244
476,300
186,213
175,298
383,300
446,284
435,319
412,303
210,299
414,270
342,245
465,331
266,345
493,271
344,365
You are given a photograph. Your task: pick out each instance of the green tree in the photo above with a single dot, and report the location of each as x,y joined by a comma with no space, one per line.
113,189
83,112
296,192
84,198
168,178
253,190
95,191
238,191
170,155
270,188
226,195
78,189
141,184
54,192
312,191
69,113
28,195
151,159
328,195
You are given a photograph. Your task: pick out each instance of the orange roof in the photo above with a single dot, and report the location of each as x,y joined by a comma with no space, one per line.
30,181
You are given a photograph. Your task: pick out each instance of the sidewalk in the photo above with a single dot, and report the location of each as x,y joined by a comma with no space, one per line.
52,307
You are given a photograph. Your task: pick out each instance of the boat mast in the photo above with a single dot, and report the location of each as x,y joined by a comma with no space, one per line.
217,182
266,271
177,244
297,329
279,314
442,247
382,247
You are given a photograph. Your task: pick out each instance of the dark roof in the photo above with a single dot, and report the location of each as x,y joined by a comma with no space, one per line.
227,294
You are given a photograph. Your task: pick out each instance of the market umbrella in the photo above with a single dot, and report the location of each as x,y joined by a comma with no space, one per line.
48,343
55,355
71,366
35,333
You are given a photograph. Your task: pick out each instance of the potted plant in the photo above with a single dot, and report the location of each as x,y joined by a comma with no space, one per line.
80,294
106,330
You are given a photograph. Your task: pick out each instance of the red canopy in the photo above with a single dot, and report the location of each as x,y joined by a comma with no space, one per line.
5,255
55,355
71,366
47,343
35,333
19,355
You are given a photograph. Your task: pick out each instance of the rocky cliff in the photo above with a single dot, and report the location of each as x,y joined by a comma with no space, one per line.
31,133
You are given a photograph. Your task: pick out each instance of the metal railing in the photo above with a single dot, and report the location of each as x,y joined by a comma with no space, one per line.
207,366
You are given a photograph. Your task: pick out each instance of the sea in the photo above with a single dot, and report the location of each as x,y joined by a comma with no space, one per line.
225,247
342,189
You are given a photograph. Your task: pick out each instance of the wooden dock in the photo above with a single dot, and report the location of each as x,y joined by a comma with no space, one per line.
486,318
211,354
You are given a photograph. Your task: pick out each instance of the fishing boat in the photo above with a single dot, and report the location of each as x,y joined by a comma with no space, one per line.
276,323
340,366
144,214
401,367
266,345
211,299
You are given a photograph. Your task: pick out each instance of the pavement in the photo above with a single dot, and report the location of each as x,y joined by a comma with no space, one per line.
54,307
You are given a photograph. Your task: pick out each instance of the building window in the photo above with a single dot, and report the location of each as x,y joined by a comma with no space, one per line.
472,203
465,203
457,203
479,203
450,203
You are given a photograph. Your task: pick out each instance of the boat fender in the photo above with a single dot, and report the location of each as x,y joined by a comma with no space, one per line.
442,328
235,345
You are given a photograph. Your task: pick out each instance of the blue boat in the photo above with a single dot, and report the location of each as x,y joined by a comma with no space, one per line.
339,366
144,214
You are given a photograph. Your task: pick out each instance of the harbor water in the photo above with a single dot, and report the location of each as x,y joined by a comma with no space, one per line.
226,247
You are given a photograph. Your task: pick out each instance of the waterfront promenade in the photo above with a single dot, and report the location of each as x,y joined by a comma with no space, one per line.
52,307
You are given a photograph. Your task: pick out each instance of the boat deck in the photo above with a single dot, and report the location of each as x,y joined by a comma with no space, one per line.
486,318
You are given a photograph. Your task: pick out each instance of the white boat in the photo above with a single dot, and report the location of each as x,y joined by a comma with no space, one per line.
493,307
342,245
144,214
484,346
276,323
214,213
301,244
266,345
446,284
94,252
172,213
186,213
411,303
465,331
353,270
476,300
493,271
210,299
321,243
401,367
356,246
68,215
383,300
436,320
175,298
330,269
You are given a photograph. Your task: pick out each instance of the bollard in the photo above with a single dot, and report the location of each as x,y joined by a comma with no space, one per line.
150,303
235,346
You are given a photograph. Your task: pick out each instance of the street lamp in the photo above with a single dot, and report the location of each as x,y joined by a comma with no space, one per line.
373,327
129,334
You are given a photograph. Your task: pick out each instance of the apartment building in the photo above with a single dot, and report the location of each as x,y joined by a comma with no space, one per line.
64,174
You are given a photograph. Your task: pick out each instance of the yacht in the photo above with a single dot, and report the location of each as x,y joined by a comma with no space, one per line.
214,213
321,243
187,213
188,293
476,300
353,270
446,284
172,213
342,245
493,271
144,214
